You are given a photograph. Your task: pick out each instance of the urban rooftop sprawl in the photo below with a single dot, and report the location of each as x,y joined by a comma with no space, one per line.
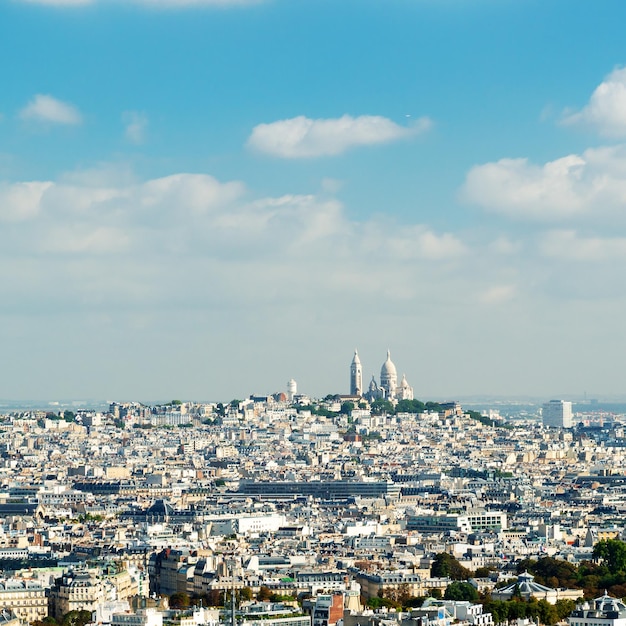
352,509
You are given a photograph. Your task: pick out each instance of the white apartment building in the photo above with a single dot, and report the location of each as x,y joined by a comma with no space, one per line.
557,414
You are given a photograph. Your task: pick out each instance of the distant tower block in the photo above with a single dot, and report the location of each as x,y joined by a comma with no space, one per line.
292,389
557,414
356,376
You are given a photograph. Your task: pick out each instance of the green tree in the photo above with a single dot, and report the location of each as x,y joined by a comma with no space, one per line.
479,417
458,590
410,406
76,618
548,613
527,565
432,407
613,553
517,609
281,597
564,608
46,621
347,408
378,602
483,572
498,609
381,406
180,600
551,572
447,566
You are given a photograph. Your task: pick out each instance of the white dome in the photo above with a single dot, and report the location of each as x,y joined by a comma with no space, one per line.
388,370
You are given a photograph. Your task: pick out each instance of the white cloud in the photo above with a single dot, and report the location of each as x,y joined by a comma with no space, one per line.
503,245
136,126
498,294
569,245
21,201
302,137
606,110
575,185
46,109
180,194
72,239
196,212
406,243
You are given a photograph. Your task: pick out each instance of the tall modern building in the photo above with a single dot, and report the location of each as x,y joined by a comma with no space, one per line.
356,376
292,389
557,414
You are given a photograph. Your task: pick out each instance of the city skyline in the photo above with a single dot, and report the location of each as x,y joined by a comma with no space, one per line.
205,199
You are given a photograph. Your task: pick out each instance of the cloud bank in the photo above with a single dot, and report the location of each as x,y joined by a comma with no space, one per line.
571,246
302,137
590,184
197,215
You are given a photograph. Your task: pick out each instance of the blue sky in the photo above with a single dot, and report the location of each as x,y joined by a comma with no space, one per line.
202,199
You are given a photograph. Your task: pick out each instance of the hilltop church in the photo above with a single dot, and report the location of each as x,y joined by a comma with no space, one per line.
388,388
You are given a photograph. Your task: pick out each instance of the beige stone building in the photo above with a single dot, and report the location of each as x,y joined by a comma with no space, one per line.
79,590
27,599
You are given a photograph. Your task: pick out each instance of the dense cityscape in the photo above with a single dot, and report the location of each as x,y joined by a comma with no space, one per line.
310,313
371,507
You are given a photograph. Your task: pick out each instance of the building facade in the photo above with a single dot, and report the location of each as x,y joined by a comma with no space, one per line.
557,414
27,599
79,590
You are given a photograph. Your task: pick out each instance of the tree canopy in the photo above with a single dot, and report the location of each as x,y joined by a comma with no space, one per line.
447,566
613,554
410,406
459,590
380,406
